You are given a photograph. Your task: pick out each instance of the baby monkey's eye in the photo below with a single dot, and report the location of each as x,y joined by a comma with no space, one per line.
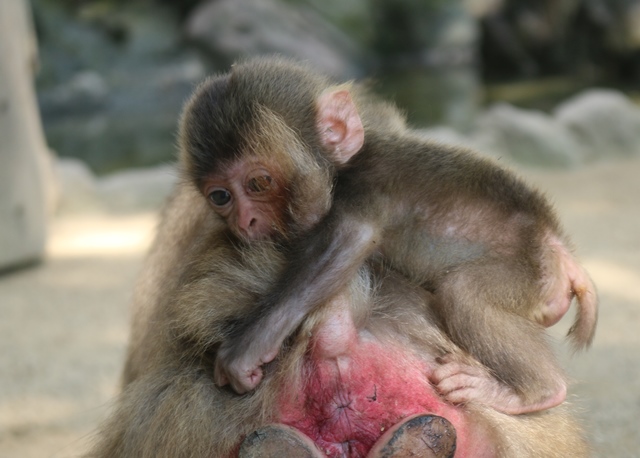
220,197
260,184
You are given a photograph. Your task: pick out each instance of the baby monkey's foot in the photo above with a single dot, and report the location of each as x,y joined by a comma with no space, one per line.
460,383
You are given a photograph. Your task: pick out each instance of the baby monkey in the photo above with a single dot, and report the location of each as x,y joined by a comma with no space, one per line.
488,246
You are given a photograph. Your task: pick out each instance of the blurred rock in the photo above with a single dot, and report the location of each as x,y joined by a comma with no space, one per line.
527,136
444,134
113,82
85,92
235,28
137,189
132,190
354,18
480,142
605,122
76,187
596,124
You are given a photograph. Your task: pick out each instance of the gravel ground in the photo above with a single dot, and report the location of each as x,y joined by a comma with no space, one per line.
63,324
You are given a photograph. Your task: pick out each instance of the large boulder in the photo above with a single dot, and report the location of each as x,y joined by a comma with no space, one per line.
77,187
605,122
527,137
126,191
235,28
134,190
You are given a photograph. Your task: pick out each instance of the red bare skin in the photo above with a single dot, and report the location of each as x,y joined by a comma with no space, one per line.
357,388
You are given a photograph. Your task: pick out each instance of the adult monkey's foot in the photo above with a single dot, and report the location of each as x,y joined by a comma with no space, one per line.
428,436
278,441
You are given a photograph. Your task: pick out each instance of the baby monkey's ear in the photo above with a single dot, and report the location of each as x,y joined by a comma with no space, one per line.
339,125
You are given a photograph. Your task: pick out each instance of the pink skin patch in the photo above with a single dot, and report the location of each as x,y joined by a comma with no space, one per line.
357,388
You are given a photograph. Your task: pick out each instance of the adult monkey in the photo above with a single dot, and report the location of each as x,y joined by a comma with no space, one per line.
200,279
380,327
488,246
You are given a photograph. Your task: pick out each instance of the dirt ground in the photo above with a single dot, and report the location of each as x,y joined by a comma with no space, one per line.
63,324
